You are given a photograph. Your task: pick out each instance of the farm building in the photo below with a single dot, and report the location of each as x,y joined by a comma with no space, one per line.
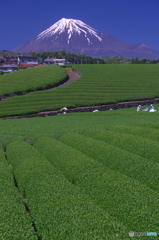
57,61
8,68
28,60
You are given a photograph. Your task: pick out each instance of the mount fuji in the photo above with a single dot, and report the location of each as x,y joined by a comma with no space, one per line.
76,36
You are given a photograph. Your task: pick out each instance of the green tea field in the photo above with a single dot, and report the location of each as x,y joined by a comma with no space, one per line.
98,85
82,176
31,79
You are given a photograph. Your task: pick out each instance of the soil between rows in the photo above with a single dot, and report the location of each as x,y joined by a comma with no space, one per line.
72,76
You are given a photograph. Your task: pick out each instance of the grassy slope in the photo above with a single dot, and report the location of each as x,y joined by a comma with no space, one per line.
99,145
56,127
132,125
31,128
99,84
15,221
59,209
115,192
31,79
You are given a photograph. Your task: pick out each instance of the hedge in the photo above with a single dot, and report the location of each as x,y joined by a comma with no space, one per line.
59,208
131,202
15,221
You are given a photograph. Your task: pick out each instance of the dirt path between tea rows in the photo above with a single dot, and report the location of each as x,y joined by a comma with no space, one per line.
72,76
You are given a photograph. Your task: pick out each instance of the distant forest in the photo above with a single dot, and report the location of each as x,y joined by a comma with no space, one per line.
70,57
80,58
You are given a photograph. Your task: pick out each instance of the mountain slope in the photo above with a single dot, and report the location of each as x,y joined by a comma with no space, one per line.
76,36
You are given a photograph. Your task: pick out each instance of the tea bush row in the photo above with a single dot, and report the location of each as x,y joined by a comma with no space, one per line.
131,202
31,79
15,221
114,158
140,146
60,210
141,131
98,85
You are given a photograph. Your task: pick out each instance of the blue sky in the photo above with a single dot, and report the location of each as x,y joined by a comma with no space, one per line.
132,21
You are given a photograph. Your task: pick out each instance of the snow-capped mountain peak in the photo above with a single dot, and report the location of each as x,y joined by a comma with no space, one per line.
70,26
75,36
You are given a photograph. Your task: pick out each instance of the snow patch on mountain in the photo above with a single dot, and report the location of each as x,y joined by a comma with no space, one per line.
88,40
71,27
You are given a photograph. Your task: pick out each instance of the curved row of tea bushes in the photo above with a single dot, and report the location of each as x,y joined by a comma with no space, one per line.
120,81
149,124
15,222
145,132
140,146
99,84
60,210
133,203
115,158
31,79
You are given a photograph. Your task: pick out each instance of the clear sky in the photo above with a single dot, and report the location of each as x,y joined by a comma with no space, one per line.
132,21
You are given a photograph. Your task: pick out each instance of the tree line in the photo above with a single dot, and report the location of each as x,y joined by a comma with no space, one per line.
80,58
70,57
122,60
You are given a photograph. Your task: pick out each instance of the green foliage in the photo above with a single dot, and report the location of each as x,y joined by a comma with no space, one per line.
15,221
137,145
121,165
60,210
71,57
143,61
98,85
130,201
115,157
140,131
31,128
117,60
122,60
31,79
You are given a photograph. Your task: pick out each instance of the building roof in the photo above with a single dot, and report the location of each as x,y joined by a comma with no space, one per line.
23,64
27,57
8,65
54,59
11,59
28,65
